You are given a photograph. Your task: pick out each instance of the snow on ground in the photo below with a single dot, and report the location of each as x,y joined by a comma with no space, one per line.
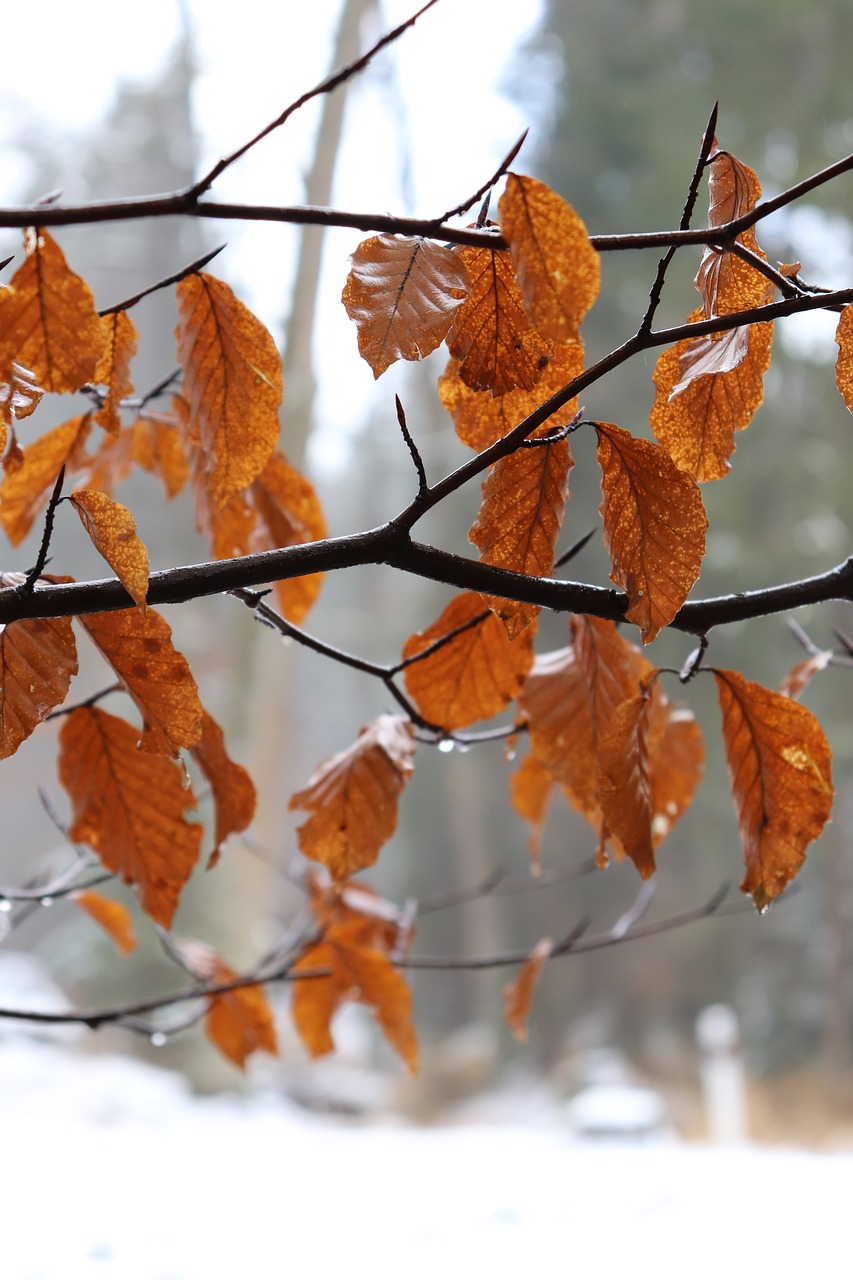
112,1170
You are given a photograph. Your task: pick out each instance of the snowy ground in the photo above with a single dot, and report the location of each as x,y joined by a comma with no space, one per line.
111,1170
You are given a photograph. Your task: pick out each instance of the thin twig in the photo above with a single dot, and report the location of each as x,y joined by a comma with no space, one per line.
37,570
176,278
423,483
487,186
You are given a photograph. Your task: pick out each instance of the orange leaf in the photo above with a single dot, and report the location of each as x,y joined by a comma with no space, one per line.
555,703
232,380
696,424
352,797
129,807
113,917
524,501
530,791
402,295
844,363
157,447
624,787
157,676
475,674
25,490
37,660
48,320
358,971
726,282
676,766
780,767
238,1022
113,368
233,791
557,267
481,418
518,994
654,527
112,530
492,337
288,514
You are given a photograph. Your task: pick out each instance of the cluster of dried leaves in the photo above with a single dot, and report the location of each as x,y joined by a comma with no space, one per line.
600,728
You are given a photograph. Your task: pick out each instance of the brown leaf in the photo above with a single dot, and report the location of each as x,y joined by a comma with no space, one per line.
113,917
726,282
492,337
654,527
780,767
524,501
233,790
557,267
232,381
402,295
157,676
288,514
531,787
481,418
802,673
475,674
697,425
518,994
113,369
112,530
238,1022
624,785
25,490
48,321
844,363
37,660
158,448
555,703
676,767
352,797
20,394
129,808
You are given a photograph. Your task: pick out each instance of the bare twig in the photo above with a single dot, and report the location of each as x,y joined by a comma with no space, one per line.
163,284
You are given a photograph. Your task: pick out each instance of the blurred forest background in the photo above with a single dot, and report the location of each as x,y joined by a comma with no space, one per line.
617,93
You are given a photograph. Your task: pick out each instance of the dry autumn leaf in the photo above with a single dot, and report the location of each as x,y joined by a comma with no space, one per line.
518,994
48,321
112,530
780,767
654,527
481,418
555,704
37,660
157,676
697,425
531,788
844,363
557,268
726,282
232,382
624,784
25,489
802,673
519,522
238,1022
20,394
113,369
113,917
676,766
233,791
492,337
475,674
352,797
402,295
129,808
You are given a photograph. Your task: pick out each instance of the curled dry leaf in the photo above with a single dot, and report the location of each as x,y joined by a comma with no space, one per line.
844,363
25,490
624,783
157,676
113,369
475,674
481,418
129,808
352,797
518,994
802,673
697,425
232,382
654,527
780,768
519,522
37,660
492,337
112,530
20,394
48,321
402,294
113,917
726,282
557,267
233,791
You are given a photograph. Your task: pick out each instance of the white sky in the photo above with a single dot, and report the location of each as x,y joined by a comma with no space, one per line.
434,101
